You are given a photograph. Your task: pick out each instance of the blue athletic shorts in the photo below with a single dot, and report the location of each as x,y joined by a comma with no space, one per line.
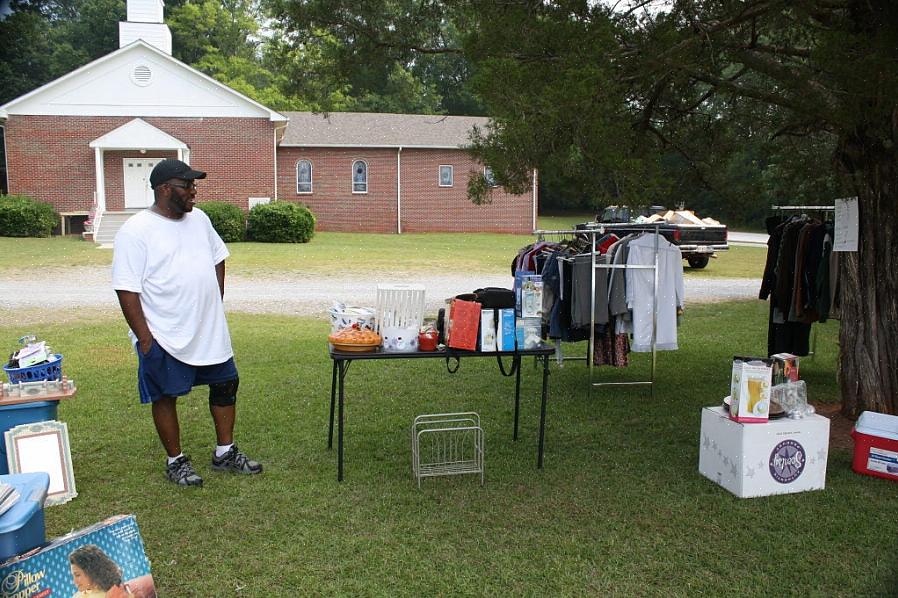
161,375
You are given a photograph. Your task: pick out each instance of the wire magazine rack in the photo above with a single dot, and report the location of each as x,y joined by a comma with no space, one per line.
447,444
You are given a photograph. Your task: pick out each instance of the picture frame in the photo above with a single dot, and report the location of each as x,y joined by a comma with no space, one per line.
43,446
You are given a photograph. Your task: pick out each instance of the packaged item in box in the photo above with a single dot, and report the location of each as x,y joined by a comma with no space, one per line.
519,277
736,374
751,401
506,330
532,297
785,368
113,549
528,333
488,330
464,322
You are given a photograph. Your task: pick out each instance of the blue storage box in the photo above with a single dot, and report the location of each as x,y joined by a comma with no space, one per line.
22,526
23,413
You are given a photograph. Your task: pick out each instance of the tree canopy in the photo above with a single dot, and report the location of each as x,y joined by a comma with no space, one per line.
631,100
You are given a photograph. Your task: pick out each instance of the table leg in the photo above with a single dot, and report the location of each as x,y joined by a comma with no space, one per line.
517,393
542,412
343,367
330,431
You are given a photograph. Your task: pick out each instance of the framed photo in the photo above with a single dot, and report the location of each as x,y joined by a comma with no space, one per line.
43,446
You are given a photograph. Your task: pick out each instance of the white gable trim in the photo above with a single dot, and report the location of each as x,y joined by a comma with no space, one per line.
211,99
137,134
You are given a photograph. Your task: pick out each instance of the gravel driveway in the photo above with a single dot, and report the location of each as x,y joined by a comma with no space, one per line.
295,294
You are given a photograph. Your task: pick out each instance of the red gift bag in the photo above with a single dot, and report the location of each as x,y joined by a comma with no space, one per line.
464,324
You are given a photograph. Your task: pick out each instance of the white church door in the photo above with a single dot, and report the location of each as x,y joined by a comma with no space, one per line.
137,182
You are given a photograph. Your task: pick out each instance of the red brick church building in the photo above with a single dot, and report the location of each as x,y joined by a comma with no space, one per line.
87,142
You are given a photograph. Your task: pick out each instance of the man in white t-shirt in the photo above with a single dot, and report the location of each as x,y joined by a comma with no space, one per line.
168,270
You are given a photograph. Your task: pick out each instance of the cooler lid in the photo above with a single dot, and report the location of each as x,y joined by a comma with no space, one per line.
877,424
32,488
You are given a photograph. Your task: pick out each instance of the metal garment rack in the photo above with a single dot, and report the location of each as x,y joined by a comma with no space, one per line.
593,233
824,210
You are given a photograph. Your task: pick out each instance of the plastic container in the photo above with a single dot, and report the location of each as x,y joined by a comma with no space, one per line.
427,340
345,317
22,526
23,413
400,340
51,370
876,445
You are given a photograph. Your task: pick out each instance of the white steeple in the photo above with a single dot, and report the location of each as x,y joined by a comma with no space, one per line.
145,21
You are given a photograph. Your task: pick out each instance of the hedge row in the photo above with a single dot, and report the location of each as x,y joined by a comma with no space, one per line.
278,222
22,216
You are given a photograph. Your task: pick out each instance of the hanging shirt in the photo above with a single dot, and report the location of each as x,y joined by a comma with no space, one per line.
584,277
640,296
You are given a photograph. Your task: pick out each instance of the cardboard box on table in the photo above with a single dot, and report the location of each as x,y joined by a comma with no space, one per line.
781,456
464,324
505,333
487,343
47,571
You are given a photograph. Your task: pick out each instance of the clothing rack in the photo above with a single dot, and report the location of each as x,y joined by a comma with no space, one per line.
822,209
805,208
593,233
827,210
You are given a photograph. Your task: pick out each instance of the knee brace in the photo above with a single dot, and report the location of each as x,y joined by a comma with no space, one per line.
223,394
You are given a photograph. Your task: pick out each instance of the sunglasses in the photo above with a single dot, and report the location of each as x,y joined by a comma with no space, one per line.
185,186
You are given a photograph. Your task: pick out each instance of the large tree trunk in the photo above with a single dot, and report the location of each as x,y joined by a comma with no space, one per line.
868,335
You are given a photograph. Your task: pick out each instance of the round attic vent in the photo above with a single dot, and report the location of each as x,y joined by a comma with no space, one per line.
142,75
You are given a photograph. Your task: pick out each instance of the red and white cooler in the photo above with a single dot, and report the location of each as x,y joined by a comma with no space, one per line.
876,445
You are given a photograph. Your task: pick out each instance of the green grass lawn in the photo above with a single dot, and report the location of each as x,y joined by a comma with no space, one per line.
346,253
619,508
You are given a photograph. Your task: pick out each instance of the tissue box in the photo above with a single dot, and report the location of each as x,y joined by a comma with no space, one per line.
780,457
47,571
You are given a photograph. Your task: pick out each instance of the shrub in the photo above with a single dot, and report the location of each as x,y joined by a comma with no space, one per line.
22,216
281,222
228,220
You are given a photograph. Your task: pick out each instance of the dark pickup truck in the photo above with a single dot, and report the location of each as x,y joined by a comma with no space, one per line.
698,241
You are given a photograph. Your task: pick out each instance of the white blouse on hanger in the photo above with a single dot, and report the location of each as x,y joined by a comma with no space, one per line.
639,292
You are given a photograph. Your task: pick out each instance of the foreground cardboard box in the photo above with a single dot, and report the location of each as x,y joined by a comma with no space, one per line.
781,456
46,572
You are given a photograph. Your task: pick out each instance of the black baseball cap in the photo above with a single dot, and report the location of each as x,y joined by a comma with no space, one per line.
173,169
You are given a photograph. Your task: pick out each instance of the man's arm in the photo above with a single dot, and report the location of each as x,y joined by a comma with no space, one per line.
133,311
220,275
